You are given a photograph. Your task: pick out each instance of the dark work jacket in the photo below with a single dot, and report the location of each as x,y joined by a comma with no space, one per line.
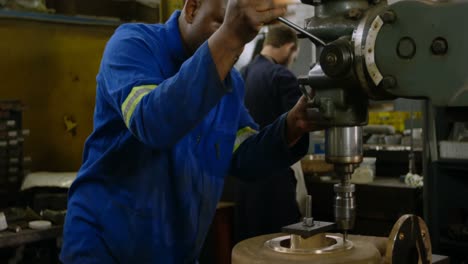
266,205
271,90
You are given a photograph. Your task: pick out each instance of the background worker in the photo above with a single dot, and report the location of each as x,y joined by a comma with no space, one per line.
269,203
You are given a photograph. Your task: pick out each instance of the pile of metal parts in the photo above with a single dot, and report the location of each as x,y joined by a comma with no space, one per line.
13,163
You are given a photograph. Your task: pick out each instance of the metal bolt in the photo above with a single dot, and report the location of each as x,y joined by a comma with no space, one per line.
354,13
439,46
389,82
406,48
308,221
331,59
389,17
401,236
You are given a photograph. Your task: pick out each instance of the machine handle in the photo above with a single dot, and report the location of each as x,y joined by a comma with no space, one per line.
313,38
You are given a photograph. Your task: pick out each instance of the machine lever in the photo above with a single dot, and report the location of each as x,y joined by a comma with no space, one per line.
313,38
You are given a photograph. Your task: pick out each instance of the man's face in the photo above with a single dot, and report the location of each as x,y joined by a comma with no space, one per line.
208,19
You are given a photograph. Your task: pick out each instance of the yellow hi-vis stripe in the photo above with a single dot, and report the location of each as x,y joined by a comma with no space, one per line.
133,99
242,135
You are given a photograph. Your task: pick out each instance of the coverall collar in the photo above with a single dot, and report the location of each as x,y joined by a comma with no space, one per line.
176,47
269,58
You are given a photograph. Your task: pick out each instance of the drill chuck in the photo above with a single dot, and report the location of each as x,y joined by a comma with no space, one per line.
344,206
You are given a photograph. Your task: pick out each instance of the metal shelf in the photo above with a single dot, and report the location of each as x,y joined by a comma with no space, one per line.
390,148
452,161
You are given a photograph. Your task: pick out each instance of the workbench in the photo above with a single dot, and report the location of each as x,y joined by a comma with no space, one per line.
217,248
26,236
31,246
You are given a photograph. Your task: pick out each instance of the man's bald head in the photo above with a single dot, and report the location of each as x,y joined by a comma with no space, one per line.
199,20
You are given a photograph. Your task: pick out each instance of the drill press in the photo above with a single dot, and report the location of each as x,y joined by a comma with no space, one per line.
372,50
368,49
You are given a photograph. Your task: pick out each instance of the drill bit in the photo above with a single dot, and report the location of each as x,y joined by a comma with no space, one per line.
345,237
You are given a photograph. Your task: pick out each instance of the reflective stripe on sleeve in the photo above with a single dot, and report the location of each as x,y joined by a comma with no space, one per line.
133,99
242,135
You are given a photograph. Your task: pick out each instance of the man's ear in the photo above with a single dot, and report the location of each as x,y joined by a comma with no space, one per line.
291,46
190,10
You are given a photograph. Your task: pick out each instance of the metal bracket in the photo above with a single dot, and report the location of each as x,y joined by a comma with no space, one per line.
306,231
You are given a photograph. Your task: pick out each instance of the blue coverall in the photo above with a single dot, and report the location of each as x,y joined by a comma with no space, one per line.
166,132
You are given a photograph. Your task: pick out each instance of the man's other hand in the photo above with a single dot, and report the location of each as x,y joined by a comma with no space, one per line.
302,119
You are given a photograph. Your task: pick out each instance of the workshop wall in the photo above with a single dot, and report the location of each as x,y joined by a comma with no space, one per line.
51,67
125,10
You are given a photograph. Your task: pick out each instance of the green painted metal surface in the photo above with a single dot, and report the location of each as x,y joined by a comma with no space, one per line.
442,78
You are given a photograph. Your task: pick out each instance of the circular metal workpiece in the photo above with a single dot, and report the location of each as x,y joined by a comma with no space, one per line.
268,249
409,242
333,244
406,48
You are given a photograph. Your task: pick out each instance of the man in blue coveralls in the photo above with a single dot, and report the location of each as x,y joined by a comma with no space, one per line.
169,124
